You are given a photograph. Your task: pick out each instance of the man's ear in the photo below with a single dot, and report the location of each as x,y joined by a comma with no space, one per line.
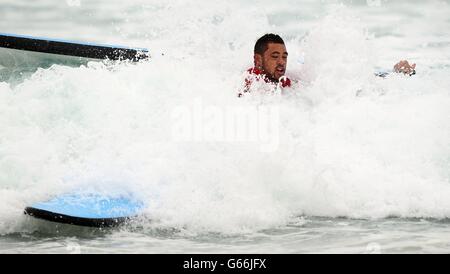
257,60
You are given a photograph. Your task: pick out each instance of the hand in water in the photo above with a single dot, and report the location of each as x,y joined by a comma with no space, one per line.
405,67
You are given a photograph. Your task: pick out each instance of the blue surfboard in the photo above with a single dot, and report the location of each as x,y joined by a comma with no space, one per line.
71,48
93,210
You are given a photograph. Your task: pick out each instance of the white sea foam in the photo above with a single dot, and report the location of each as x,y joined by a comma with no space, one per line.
347,143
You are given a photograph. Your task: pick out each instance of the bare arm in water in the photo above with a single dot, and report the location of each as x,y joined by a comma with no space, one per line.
401,67
404,67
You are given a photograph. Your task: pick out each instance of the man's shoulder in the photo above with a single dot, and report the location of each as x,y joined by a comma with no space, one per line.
255,75
285,81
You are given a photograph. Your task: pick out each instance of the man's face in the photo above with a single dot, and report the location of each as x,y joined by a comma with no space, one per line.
274,60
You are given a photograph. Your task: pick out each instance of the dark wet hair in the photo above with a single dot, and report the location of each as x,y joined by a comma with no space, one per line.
263,41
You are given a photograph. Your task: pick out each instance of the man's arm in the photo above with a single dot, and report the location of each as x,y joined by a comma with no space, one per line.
405,67
401,67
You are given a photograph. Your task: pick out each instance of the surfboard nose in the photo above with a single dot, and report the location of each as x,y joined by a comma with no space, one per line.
72,48
87,210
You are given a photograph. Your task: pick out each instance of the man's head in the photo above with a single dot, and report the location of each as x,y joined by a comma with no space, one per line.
270,56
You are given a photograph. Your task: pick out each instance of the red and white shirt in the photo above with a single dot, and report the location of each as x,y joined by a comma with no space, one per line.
255,75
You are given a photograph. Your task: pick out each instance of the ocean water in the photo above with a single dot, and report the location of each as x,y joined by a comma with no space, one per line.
344,162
